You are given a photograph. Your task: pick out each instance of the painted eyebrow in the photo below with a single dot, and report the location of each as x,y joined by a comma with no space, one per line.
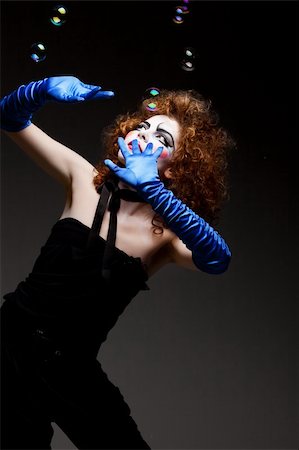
167,132
147,124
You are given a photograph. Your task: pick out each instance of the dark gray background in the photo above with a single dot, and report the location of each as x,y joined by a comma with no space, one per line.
203,361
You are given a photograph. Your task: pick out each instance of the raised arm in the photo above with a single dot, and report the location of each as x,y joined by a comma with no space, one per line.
57,160
17,110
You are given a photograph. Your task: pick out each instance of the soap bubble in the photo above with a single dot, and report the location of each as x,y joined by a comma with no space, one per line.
153,91
151,106
182,9
38,52
150,98
188,60
188,66
58,15
189,52
178,19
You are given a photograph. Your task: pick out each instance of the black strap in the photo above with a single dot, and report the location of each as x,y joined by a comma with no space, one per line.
99,214
105,189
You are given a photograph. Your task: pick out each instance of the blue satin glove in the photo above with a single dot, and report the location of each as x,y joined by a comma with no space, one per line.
210,253
18,107
140,166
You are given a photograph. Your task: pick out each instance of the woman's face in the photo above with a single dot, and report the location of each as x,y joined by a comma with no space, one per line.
161,131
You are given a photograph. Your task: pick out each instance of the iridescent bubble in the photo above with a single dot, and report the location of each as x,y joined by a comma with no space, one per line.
182,9
150,98
38,52
151,106
188,60
58,16
154,91
178,19
188,66
189,52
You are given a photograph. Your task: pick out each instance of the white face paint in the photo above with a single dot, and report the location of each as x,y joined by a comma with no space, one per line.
161,131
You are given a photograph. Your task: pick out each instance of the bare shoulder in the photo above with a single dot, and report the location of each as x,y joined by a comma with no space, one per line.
135,231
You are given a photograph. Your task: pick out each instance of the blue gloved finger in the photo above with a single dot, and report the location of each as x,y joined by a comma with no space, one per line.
97,93
90,86
103,94
91,94
110,164
148,149
135,147
123,147
158,152
70,98
74,99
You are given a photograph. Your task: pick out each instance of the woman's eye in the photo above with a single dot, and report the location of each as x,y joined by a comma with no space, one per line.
163,140
159,136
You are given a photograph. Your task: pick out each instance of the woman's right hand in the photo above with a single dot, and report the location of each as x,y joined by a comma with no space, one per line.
141,167
71,89
18,107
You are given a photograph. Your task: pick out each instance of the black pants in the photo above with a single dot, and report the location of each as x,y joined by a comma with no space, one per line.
41,384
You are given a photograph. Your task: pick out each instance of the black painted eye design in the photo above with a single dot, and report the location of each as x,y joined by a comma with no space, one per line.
160,136
163,140
141,125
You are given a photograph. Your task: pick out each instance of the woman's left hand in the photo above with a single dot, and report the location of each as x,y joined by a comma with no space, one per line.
71,89
141,167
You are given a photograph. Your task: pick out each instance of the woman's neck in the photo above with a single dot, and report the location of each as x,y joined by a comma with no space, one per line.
129,208
123,185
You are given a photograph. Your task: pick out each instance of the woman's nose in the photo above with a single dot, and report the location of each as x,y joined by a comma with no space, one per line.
143,135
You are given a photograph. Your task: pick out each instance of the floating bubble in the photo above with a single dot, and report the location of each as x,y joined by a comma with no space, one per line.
178,19
154,91
188,66
38,52
189,52
151,106
58,16
182,9
150,98
188,60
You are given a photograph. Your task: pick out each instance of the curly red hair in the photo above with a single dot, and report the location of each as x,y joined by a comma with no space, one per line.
199,164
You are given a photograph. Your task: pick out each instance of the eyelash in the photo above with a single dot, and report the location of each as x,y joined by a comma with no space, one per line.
165,143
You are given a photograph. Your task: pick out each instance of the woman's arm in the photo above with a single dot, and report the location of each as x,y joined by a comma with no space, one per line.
179,254
18,107
210,253
57,160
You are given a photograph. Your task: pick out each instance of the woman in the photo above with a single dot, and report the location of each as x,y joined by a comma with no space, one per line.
123,220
